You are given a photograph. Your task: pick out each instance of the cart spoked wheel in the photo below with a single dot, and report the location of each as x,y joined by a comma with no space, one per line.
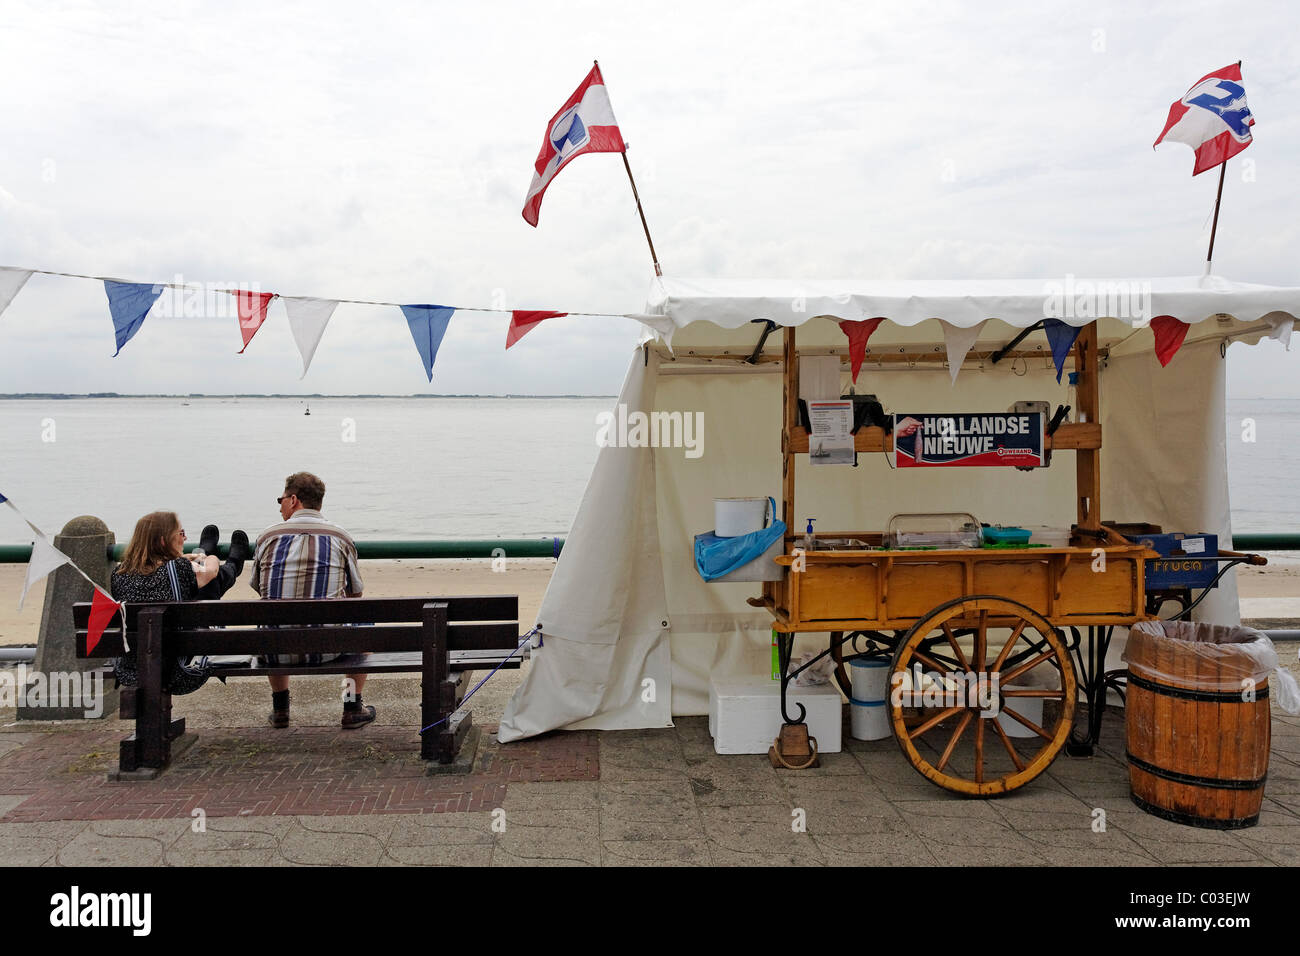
961,675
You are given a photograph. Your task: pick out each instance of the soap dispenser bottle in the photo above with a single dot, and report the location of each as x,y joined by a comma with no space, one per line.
809,542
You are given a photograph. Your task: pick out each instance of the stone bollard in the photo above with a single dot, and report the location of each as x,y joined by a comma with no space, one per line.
62,687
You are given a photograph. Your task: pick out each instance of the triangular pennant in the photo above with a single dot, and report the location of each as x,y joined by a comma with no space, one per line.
958,342
1281,333
11,280
521,323
1060,337
428,324
252,312
1169,333
102,609
45,558
858,331
307,320
129,302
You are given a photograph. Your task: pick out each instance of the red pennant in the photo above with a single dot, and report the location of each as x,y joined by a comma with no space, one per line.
102,609
521,323
1169,333
858,331
252,312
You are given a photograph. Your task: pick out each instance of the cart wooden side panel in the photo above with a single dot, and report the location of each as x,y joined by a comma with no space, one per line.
838,590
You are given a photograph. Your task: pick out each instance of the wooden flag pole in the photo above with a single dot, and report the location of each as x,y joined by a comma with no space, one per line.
1209,256
1214,227
641,213
639,210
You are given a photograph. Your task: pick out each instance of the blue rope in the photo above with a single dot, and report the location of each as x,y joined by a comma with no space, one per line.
527,639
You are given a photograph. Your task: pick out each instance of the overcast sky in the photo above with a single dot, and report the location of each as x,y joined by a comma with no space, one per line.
382,151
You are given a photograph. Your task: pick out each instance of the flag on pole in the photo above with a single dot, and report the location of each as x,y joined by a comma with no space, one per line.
584,124
1212,118
129,303
307,320
428,324
252,312
11,281
521,323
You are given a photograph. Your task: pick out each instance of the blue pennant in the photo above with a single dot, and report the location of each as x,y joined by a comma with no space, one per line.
428,325
1061,338
129,302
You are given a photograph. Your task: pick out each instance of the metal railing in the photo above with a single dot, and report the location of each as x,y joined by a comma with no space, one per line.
551,547
372,550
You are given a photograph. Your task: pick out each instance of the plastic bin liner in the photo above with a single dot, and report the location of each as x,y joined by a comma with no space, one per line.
716,556
1238,654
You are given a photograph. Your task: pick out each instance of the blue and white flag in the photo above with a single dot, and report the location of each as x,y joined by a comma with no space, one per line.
428,324
129,302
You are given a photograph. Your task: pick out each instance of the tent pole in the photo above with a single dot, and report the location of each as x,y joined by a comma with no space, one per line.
1088,460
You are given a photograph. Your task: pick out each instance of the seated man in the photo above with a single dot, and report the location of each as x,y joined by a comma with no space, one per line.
305,556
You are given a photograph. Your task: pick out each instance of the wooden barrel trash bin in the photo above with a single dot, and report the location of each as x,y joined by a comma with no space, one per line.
1197,721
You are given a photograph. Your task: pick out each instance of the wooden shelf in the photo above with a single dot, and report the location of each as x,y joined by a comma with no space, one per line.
869,438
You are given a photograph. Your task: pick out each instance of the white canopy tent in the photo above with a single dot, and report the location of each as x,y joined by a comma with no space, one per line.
631,635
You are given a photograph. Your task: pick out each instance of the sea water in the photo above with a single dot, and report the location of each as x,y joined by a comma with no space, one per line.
407,468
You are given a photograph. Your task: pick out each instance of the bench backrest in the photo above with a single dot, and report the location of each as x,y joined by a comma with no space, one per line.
303,626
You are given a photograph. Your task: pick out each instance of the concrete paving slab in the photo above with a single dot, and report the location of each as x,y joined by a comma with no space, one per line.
554,795
36,844
655,853
868,850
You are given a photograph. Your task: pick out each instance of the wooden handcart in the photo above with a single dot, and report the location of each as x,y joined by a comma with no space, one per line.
970,634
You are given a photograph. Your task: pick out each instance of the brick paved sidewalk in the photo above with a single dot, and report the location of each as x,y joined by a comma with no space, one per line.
320,796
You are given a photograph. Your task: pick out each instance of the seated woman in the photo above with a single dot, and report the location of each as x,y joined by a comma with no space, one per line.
154,569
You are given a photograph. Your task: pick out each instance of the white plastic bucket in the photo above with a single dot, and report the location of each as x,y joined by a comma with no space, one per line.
869,679
733,517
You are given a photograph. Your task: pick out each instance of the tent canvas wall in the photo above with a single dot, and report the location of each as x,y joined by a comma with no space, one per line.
630,633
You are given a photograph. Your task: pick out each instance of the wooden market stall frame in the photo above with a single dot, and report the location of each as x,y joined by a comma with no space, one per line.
933,600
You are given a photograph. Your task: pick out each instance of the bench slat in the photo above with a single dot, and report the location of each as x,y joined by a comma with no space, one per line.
460,637
393,663
192,614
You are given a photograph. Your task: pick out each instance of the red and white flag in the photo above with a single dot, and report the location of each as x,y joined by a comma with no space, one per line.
1212,118
584,124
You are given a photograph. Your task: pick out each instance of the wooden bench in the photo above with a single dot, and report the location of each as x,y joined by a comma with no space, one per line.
435,637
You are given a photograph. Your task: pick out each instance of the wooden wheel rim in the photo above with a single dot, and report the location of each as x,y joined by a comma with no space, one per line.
905,657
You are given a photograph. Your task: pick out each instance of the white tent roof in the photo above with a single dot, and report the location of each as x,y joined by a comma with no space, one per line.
964,303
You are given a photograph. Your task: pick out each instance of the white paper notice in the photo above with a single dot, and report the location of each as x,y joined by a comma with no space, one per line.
1193,545
831,440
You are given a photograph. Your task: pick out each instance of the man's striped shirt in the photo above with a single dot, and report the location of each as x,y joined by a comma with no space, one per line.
306,557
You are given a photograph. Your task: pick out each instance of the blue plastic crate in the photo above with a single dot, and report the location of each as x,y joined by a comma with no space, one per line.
1186,560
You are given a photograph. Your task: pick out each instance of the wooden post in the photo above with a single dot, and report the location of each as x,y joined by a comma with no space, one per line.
151,718
1088,460
790,408
433,673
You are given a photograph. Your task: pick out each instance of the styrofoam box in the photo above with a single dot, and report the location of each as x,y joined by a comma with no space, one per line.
745,713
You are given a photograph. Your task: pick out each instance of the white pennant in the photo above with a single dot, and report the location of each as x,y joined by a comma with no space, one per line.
958,342
1282,332
45,558
307,320
11,280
